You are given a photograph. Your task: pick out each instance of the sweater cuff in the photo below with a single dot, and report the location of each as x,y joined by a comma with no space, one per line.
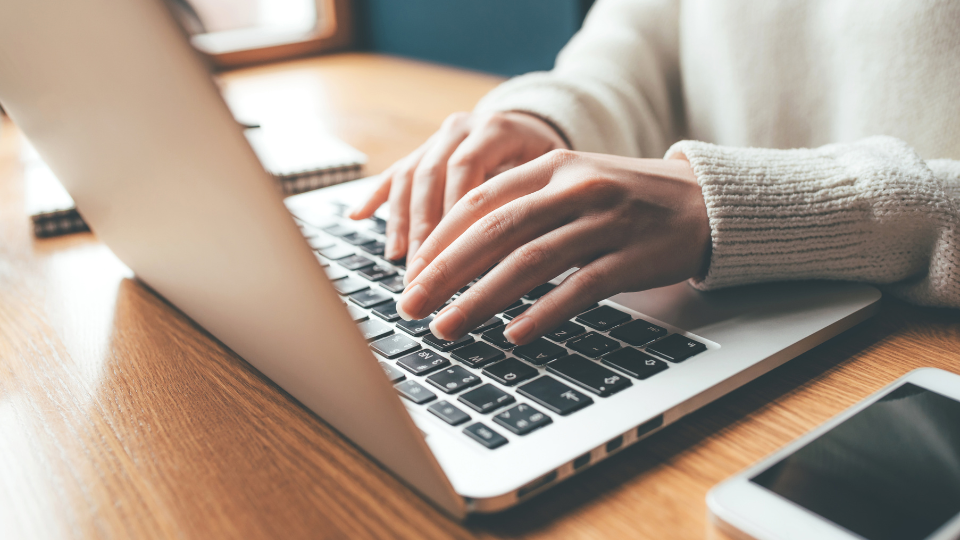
544,96
834,212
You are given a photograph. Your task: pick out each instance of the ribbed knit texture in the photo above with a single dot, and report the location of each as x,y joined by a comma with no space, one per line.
752,77
870,211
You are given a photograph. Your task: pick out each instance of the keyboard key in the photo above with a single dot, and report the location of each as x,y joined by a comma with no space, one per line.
495,336
515,312
492,322
448,413
423,362
356,239
540,351
378,225
522,419
355,262
372,329
394,374
485,436
589,375
394,346
334,274
399,263
337,230
510,372
539,291
393,284
357,314
321,241
376,272
638,332
486,398
603,318
335,252
555,395
593,344
445,345
477,354
565,331
350,285
323,262
591,308
387,312
415,328
453,379
634,363
415,392
369,298
374,248
677,348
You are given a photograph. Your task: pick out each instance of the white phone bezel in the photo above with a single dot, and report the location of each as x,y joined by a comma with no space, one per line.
750,511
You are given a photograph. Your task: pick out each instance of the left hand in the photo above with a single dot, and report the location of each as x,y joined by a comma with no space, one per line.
628,224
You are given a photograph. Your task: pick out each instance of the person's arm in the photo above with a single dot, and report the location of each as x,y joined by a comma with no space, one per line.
870,211
615,88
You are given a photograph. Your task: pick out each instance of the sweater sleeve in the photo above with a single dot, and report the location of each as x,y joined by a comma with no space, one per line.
870,211
616,85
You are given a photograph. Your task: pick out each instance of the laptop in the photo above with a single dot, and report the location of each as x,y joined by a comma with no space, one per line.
126,114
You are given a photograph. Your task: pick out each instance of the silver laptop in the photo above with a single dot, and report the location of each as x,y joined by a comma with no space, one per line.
127,116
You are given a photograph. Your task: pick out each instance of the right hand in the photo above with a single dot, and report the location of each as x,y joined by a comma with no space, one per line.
468,149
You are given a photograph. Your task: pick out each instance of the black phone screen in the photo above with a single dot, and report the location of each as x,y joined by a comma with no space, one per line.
891,471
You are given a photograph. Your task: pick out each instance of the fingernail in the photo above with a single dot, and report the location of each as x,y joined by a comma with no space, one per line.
518,329
446,324
411,301
412,250
354,212
414,270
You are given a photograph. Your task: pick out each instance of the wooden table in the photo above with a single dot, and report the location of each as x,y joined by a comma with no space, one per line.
121,418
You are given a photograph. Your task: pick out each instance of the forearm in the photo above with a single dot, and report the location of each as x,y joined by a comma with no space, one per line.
870,211
615,88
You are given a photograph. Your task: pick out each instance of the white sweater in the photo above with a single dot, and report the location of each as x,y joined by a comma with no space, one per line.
865,92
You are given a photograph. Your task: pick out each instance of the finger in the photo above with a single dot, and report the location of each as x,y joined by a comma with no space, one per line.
489,240
398,223
533,264
426,198
479,202
377,198
483,151
596,281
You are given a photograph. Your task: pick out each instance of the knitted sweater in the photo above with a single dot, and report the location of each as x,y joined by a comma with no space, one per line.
825,134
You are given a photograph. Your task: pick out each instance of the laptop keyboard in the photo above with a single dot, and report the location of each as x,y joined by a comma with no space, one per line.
482,379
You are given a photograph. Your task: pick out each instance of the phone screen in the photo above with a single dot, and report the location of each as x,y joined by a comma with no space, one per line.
891,471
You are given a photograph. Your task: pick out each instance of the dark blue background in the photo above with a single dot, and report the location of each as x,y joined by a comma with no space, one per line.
507,37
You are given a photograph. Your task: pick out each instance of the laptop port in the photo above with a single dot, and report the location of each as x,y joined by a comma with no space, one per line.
536,484
649,426
581,461
614,444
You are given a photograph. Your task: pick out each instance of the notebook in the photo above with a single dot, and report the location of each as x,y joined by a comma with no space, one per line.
301,157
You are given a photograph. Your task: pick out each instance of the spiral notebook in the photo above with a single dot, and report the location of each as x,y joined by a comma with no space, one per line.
301,158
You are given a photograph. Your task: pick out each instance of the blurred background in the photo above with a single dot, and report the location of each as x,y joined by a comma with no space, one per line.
504,37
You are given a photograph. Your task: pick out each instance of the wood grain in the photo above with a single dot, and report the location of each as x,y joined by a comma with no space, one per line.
120,418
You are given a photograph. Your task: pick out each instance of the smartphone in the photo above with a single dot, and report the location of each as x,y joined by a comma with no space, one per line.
888,468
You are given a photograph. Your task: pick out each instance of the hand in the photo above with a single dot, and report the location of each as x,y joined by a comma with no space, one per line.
628,224
466,151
